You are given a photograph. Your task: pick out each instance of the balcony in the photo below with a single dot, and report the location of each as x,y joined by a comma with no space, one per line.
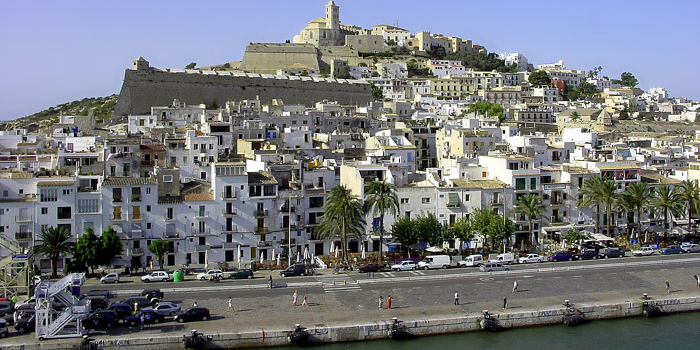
261,213
285,242
555,219
147,162
117,216
135,251
136,198
170,218
201,215
135,234
171,235
261,230
137,217
201,232
556,201
230,245
497,201
23,218
264,244
226,195
231,212
23,236
231,229
201,248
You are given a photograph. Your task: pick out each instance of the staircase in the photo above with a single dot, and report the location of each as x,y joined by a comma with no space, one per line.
73,279
61,321
48,326
11,245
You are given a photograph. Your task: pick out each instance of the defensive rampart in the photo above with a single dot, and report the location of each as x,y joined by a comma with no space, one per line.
146,87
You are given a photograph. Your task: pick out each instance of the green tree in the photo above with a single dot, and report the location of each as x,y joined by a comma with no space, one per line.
607,191
430,230
575,116
54,242
636,197
342,217
404,231
391,42
589,197
479,220
159,248
499,230
530,205
667,200
112,246
689,192
539,77
191,65
88,249
491,110
380,199
574,236
377,93
462,229
588,89
628,79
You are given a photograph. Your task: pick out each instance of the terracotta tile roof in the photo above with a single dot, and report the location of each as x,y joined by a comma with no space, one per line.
129,181
198,197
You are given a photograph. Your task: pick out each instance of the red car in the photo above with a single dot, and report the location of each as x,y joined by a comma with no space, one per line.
370,268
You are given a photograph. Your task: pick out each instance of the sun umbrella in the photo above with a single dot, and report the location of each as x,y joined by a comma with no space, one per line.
363,252
238,251
306,253
206,259
261,257
278,258
298,256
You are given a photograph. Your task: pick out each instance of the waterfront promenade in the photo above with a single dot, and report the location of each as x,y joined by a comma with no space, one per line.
418,297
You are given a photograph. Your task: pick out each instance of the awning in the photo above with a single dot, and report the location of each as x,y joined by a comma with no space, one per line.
453,199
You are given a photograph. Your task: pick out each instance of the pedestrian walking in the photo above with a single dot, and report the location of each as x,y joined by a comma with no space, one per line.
456,298
143,321
668,287
304,302
388,302
147,319
295,296
230,304
505,302
515,286
136,308
269,283
697,281
381,302
195,304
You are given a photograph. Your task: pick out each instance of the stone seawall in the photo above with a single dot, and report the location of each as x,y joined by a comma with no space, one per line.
379,330
144,88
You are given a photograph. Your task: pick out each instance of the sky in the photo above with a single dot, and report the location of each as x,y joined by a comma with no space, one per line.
58,51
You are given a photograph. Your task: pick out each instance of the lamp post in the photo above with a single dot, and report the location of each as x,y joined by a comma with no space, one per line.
289,227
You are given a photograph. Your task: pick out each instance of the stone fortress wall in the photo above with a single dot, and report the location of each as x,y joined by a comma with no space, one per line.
145,86
267,58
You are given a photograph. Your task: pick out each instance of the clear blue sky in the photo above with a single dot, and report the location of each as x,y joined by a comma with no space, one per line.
59,51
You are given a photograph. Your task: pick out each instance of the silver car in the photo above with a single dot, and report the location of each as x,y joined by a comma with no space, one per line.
165,308
110,278
691,248
493,266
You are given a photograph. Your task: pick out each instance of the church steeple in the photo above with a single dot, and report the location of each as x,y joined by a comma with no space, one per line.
332,16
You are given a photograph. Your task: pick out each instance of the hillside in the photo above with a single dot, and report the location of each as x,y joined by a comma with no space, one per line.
102,107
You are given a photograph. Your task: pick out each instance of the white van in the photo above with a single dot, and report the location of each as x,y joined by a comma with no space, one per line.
435,262
472,260
505,258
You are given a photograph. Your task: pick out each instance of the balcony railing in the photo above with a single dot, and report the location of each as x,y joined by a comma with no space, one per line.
201,214
231,229
135,251
261,230
23,235
225,212
201,232
23,218
117,216
261,213
230,245
201,248
555,219
136,198
228,195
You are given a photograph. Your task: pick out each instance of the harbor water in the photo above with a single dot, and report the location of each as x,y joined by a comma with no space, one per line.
678,331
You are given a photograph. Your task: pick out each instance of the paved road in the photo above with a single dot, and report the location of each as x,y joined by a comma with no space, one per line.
344,298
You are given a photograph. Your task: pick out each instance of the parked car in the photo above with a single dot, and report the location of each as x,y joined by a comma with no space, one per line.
99,293
561,255
22,314
122,310
691,248
209,274
141,302
530,258
587,254
493,266
643,251
98,303
372,267
435,262
472,260
156,276
3,328
505,258
673,249
611,253
26,324
101,319
135,320
165,308
197,313
294,270
241,274
6,307
404,266
110,278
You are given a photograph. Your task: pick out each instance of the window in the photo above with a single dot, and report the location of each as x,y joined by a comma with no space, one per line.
167,178
148,190
5,193
315,202
425,200
148,208
533,183
466,198
65,193
196,146
88,206
63,213
48,195
519,184
404,200
169,214
44,210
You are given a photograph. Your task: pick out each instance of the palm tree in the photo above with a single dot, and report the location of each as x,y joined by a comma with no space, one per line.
636,197
607,192
667,200
342,217
530,205
380,198
54,242
589,197
690,193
